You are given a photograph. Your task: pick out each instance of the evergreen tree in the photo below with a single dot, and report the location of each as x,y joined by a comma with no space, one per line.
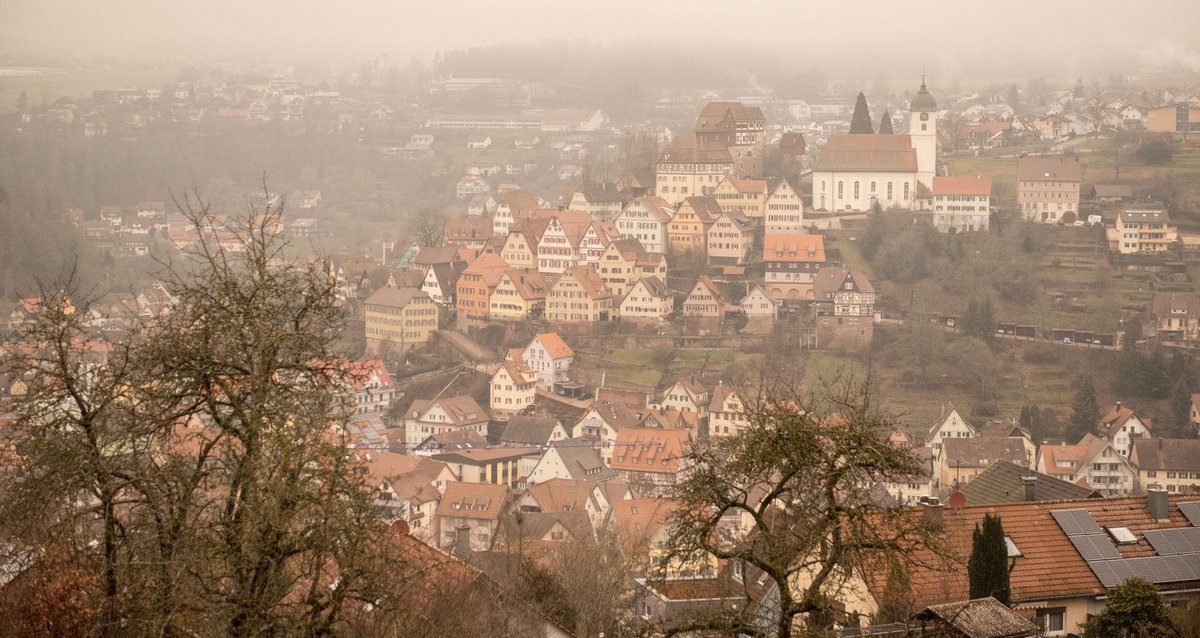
987,569
885,124
970,318
1135,608
1178,424
873,235
1037,425
1151,376
1014,98
1078,93
1083,410
987,320
1026,418
861,121
896,603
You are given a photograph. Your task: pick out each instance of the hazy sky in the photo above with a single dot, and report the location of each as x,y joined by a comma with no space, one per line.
1064,37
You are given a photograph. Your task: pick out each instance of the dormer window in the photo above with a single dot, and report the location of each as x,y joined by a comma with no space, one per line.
1011,548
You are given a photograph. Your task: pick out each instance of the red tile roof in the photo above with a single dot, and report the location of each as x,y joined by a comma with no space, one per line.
962,185
555,346
795,247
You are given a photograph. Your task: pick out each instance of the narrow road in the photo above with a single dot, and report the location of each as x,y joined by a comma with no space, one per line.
466,345
1090,346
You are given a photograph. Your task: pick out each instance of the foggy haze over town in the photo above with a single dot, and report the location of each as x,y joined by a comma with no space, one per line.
633,319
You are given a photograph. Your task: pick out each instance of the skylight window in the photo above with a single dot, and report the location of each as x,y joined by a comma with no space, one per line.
1013,550
1122,535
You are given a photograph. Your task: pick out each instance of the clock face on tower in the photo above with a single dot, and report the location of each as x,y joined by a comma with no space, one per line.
924,116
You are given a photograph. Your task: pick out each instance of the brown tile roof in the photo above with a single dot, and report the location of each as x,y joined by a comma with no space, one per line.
796,247
829,279
962,185
488,265
562,495
1049,568
428,256
845,152
652,450
1172,305
467,230
519,200
555,346
1001,483
1115,419
1048,169
657,206
1166,454
980,618
706,208
981,452
394,297
758,186
461,409
687,149
475,456
642,518
529,283
529,430
713,116
590,281
483,501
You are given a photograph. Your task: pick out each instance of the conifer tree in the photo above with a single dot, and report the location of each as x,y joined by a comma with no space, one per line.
861,121
1083,410
885,124
987,569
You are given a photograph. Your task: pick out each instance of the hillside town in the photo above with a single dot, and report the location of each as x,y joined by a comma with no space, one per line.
549,317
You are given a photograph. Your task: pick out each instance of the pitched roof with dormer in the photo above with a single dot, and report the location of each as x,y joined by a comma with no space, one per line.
793,247
483,501
650,450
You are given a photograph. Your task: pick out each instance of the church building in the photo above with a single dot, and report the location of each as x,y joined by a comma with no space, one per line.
855,172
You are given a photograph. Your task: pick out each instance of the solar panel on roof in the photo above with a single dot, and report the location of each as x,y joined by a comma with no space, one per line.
1076,522
1095,547
1191,510
1169,542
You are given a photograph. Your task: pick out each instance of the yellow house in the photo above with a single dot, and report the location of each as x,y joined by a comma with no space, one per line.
624,263
688,230
519,248
745,196
399,318
520,294
579,295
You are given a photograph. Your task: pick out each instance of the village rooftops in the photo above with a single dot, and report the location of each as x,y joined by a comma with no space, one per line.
393,297
1167,455
473,500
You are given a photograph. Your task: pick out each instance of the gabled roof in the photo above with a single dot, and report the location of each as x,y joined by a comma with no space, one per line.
962,185
1166,455
704,284
714,115
589,280
427,256
979,618
1050,567
642,518
467,229
979,452
459,439
394,297
652,450
1170,304
561,494
484,501
616,415
1048,169
705,208
831,279
948,416
653,286
1001,483
460,409
687,149
1115,419
793,247
518,199
528,282
883,153
489,266
554,345
529,430
582,461
655,205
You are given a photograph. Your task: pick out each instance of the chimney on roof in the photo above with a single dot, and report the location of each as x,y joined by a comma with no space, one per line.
931,509
1157,503
462,541
1028,484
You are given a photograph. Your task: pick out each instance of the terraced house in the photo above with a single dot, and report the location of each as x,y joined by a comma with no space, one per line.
520,294
579,295
476,283
745,196
645,219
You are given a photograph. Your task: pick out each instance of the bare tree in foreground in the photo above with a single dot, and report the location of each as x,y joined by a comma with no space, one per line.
192,467
802,472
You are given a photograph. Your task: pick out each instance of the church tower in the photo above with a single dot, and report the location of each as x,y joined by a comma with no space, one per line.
922,129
